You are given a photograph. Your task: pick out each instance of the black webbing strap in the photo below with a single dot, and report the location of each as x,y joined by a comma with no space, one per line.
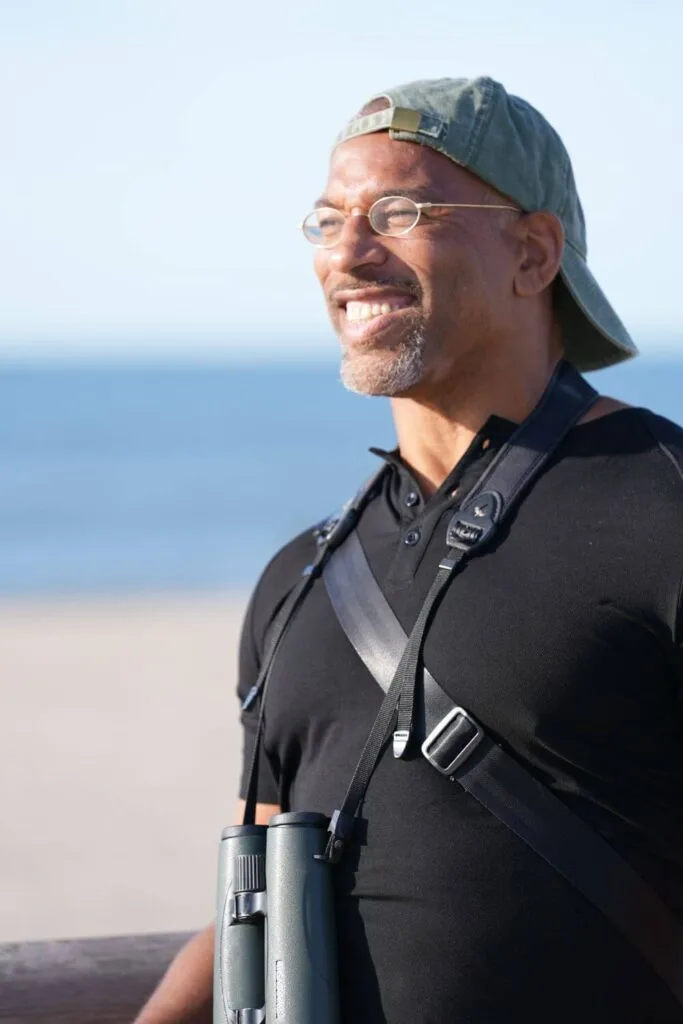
330,535
566,399
499,782
259,689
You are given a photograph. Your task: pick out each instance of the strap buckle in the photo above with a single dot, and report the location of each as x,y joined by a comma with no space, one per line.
340,828
474,523
452,741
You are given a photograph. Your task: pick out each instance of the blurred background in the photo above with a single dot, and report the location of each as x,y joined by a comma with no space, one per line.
170,411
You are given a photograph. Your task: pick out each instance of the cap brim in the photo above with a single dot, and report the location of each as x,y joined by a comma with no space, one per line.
594,336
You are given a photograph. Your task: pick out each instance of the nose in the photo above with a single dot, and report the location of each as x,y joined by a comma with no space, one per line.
358,246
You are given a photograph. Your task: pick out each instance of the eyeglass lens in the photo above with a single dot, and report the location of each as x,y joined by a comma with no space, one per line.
391,215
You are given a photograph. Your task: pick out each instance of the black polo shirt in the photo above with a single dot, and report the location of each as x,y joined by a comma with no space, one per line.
564,639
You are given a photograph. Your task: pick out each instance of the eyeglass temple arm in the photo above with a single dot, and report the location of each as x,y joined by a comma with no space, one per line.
470,206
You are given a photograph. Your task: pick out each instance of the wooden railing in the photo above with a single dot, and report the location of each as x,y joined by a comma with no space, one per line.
82,981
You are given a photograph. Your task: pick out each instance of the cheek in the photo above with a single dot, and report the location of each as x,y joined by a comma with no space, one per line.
418,264
464,272
321,265
444,277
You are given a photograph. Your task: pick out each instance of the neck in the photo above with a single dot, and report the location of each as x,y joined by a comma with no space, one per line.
436,426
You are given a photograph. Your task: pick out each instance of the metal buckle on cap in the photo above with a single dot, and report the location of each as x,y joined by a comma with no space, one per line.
431,748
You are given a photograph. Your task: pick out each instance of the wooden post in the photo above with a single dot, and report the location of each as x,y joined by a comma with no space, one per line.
82,981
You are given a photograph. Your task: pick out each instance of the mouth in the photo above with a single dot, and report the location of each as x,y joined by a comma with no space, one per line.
367,316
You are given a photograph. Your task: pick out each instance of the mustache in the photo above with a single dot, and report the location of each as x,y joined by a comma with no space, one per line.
356,284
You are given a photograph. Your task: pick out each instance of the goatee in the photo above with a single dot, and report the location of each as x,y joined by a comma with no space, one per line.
383,371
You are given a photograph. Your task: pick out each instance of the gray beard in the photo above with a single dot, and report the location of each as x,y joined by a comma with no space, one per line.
385,372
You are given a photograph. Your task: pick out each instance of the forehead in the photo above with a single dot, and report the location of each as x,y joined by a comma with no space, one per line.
370,165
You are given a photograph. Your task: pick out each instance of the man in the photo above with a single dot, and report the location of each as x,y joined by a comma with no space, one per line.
450,247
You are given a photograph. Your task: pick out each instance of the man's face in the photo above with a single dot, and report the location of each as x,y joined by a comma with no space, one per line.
419,302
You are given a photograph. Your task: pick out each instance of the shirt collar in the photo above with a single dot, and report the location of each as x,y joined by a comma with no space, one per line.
404,490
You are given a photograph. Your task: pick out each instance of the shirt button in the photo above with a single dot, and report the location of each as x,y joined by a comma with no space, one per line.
411,498
411,538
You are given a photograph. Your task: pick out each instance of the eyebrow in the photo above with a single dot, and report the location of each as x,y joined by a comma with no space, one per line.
420,194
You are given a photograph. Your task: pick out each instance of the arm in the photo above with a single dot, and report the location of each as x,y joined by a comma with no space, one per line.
185,993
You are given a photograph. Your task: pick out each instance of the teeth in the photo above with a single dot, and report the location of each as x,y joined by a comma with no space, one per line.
366,310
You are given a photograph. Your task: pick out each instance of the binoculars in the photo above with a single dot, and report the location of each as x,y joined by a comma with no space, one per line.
275,953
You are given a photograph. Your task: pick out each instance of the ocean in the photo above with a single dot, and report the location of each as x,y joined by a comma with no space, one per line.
171,476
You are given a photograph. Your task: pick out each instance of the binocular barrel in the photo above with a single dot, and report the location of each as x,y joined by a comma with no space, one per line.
239,952
301,986
276,950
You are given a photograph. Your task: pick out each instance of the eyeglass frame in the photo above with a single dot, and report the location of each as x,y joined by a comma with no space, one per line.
398,234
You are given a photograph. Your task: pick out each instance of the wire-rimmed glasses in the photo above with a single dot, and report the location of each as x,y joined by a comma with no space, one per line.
389,215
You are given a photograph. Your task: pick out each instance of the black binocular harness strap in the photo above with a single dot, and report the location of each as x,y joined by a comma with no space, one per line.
330,535
564,401
457,746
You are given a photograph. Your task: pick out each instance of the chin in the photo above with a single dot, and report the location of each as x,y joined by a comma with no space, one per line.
382,373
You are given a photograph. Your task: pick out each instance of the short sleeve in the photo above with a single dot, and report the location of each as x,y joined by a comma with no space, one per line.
249,663
276,582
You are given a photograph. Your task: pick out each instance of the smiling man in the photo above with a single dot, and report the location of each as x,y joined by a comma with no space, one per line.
450,247
446,277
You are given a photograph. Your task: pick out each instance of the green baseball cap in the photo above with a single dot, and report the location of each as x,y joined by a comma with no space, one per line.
508,144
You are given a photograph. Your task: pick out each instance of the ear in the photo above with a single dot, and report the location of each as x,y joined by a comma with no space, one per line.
541,239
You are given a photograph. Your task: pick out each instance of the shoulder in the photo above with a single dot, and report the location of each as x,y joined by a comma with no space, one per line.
668,437
648,447
284,570
653,446
625,469
277,579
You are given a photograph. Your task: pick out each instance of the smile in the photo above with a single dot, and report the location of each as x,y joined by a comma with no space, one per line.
356,311
367,321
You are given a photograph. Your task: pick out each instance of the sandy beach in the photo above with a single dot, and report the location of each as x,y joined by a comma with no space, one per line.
120,752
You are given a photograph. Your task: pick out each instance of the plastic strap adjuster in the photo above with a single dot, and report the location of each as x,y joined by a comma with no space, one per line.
250,698
473,524
452,741
401,739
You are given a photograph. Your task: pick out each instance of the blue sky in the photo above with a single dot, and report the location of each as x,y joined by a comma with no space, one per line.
139,138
